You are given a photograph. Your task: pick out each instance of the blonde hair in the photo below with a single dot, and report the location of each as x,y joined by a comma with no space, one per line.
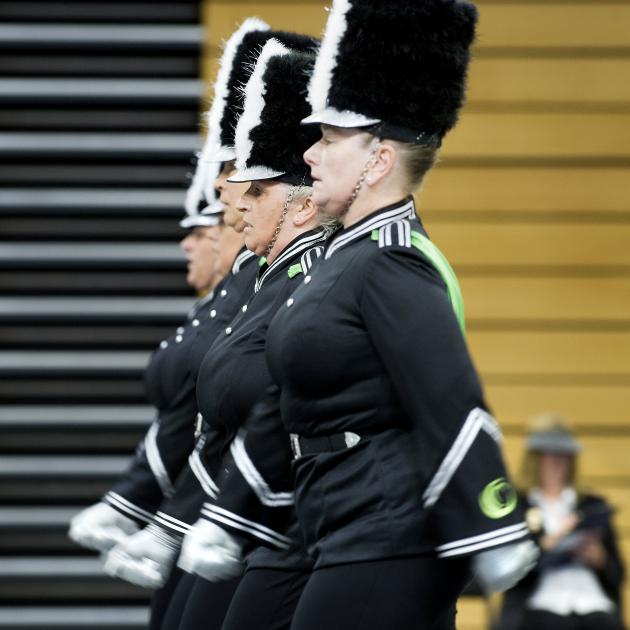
417,161
302,193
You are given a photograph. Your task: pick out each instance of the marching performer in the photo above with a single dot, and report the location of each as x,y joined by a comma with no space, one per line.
400,486
171,375
282,225
148,557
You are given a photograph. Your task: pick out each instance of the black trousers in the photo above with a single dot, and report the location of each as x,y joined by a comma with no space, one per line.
543,620
405,594
188,602
161,600
265,600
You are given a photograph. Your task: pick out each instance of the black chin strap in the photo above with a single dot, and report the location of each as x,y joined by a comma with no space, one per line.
364,172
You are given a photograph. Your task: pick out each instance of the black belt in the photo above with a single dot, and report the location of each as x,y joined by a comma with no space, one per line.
324,444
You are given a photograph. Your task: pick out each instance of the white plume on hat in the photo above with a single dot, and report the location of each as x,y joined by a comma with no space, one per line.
215,115
254,104
202,187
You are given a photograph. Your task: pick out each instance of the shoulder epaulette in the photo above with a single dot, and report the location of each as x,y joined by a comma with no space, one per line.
306,261
394,233
400,233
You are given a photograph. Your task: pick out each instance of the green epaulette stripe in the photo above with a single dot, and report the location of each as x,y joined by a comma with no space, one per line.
295,270
439,261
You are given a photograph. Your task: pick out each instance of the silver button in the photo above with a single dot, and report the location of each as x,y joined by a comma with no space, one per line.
178,339
228,330
163,344
223,293
307,279
195,322
244,308
213,314
180,330
290,302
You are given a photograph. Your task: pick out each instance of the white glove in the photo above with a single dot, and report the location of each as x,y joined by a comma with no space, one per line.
210,552
145,559
100,527
500,569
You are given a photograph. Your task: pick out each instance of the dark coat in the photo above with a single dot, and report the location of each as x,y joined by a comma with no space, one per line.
610,577
170,386
369,344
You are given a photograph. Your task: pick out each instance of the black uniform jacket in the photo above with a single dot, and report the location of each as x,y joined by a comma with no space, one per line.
231,379
170,386
610,576
369,350
234,374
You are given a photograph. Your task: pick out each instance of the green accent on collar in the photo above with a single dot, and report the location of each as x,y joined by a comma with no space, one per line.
261,261
294,270
374,235
498,499
438,260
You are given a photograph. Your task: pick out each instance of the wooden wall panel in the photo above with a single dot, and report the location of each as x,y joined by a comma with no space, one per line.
533,244
553,82
549,299
547,354
563,135
538,191
592,407
553,25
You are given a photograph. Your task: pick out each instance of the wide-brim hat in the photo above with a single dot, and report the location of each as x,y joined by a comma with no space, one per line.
397,68
556,440
270,139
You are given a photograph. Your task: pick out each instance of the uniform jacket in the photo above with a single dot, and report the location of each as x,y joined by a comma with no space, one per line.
369,348
170,387
232,378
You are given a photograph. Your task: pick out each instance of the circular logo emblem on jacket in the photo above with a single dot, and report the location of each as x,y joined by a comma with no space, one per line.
498,498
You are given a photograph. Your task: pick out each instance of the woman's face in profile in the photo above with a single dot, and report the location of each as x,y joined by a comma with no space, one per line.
554,470
337,161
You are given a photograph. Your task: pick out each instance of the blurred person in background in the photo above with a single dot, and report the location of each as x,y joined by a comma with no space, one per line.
576,584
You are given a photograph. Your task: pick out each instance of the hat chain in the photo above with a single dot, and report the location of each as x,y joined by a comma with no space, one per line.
364,172
283,216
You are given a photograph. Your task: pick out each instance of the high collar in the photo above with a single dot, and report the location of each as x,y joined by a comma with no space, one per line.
243,256
404,209
296,247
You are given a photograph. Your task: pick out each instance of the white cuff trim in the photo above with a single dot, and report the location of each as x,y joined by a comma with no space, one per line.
165,520
483,541
123,505
215,513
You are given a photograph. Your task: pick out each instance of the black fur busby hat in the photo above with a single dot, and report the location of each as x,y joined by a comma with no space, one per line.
237,62
235,66
397,67
201,204
270,139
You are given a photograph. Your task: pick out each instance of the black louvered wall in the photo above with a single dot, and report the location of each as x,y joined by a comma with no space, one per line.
99,112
